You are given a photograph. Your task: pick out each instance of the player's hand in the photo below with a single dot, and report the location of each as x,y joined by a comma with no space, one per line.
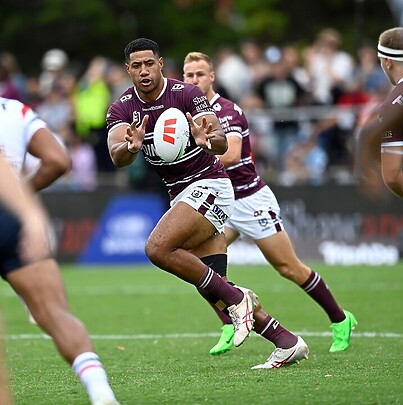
135,134
201,133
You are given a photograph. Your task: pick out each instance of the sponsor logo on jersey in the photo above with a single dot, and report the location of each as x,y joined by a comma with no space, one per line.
200,100
388,134
153,108
177,87
125,98
398,100
149,150
202,104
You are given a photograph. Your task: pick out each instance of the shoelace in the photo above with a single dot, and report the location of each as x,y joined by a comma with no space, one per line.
236,320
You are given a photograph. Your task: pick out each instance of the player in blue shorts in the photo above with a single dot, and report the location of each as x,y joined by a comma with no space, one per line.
31,270
189,239
256,213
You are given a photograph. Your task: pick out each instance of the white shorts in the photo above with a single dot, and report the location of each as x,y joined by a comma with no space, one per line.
256,216
213,198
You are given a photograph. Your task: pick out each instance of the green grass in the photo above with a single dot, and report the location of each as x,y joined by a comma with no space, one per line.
139,319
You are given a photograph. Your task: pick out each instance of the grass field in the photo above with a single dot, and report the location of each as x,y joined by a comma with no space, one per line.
153,333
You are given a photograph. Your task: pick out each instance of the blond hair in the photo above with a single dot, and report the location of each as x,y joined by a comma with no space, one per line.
198,56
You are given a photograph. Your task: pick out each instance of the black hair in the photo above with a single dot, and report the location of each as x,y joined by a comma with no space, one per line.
142,44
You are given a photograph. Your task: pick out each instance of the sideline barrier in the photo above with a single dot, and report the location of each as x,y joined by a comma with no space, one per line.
123,230
331,223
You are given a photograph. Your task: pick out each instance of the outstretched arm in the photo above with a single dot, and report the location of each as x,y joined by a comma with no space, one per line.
208,134
124,142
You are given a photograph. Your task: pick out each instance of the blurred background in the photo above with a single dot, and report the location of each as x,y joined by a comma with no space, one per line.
306,74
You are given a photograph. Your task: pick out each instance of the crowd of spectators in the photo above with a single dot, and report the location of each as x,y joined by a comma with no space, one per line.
303,107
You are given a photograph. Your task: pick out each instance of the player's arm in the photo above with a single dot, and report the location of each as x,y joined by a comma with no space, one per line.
208,134
392,169
367,145
233,154
54,159
125,142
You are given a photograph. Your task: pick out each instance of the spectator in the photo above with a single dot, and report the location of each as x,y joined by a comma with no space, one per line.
55,73
7,87
305,163
329,67
293,63
91,100
83,173
117,80
17,77
233,74
368,73
280,90
255,60
56,110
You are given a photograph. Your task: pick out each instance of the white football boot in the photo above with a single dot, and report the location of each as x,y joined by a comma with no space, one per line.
242,316
284,357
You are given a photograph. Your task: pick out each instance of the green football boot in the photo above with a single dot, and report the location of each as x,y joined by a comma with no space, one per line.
226,341
342,332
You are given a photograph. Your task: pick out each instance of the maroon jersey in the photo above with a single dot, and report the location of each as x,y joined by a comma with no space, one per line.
243,175
195,164
393,107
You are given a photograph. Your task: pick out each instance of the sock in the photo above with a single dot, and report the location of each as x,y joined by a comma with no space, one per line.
91,373
223,315
213,284
271,330
319,291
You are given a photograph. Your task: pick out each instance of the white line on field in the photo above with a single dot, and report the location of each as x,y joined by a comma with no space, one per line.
387,335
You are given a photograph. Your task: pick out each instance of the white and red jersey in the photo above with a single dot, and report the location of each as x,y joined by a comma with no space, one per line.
18,124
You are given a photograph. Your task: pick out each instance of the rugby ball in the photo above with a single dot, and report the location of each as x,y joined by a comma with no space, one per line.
171,134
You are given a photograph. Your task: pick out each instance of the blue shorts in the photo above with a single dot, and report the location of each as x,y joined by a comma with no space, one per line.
9,240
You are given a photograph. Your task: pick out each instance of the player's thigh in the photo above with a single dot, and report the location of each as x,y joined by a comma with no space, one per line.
181,227
39,282
230,235
196,215
278,250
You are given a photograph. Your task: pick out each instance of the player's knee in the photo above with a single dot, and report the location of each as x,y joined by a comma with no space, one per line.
217,262
294,272
155,251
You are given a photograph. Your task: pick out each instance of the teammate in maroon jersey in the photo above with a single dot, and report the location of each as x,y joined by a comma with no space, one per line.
189,239
386,132
256,212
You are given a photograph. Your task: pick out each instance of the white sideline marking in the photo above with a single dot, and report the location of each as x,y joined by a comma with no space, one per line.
387,335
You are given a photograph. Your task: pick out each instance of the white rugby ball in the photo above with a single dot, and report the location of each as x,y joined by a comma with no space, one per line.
171,134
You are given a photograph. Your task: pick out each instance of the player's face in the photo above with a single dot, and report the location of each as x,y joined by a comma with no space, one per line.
145,70
199,74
